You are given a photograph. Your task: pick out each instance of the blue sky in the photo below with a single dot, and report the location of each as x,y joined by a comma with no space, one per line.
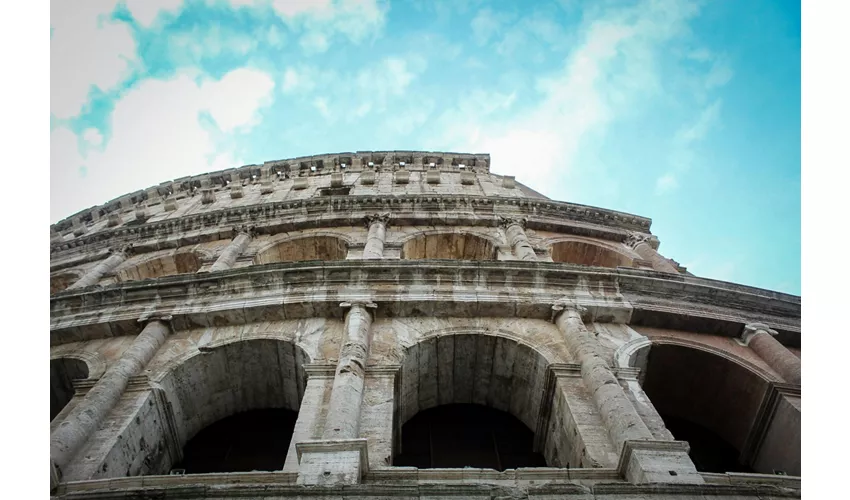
687,112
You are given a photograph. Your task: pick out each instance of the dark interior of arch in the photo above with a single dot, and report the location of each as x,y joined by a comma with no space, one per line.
62,372
466,435
458,246
305,249
587,254
706,400
243,442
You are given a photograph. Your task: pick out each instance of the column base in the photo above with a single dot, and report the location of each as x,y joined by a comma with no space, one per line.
332,462
653,461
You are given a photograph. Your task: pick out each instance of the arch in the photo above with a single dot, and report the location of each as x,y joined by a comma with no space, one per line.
587,252
63,372
449,245
157,266
62,280
312,246
705,396
471,367
208,386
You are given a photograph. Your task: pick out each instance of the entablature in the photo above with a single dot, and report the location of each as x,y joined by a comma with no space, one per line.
435,288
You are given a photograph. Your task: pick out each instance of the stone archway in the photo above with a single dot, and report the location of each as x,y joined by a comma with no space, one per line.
711,401
235,405
180,262
497,377
63,372
457,246
587,253
307,248
61,281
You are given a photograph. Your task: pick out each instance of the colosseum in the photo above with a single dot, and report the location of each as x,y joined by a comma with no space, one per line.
404,325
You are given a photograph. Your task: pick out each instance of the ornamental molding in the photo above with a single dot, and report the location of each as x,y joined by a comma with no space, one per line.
273,217
283,291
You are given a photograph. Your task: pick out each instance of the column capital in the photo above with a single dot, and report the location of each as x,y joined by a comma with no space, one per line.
244,229
122,250
752,329
155,316
561,307
366,304
634,239
506,222
383,218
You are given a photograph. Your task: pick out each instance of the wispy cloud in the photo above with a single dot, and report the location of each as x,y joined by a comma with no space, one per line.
683,152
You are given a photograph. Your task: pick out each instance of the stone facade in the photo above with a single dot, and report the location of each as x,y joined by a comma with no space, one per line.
362,289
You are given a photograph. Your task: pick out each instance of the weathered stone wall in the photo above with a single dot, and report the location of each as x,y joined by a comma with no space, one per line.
424,286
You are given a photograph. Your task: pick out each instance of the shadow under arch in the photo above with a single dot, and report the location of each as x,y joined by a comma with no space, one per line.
466,368
253,385
158,266
708,397
314,246
64,371
448,245
587,252
62,280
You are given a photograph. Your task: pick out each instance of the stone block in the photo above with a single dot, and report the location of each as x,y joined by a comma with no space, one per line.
332,462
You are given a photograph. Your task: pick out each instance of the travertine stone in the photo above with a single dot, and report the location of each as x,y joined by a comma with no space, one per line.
647,247
343,421
313,406
761,339
377,224
101,269
233,250
235,186
620,417
78,425
517,239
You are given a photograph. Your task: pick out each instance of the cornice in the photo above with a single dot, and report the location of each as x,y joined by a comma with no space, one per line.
447,210
415,288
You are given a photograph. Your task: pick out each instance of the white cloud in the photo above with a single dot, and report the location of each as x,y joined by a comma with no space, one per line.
156,136
86,49
665,183
683,153
314,43
92,136
610,70
292,8
188,48
145,12
485,25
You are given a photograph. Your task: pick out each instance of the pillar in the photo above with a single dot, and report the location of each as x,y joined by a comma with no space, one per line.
643,459
646,246
761,339
377,224
233,250
341,455
517,239
309,426
67,439
103,268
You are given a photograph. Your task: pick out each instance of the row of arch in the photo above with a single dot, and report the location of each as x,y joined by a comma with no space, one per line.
451,410
331,247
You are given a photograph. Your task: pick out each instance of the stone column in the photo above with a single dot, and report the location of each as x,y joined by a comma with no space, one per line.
643,459
341,456
67,439
761,339
343,420
515,232
377,224
103,268
234,249
646,245
308,425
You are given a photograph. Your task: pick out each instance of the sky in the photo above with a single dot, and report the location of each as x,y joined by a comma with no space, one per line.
683,111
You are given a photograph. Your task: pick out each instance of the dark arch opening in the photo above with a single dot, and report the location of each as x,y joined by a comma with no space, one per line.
457,246
587,254
467,435
244,442
304,249
63,371
706,400
168,265
62,281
